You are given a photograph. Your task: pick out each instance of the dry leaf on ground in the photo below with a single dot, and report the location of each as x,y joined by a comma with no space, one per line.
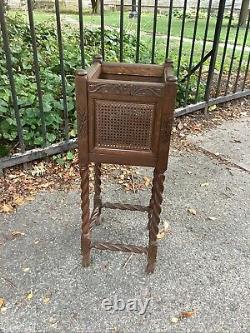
174,320
46,300
187,314
19,186
204,184
6,209
162,233
192,211
19,200
16,234
212,218
2,302
26,269
29,295
147,181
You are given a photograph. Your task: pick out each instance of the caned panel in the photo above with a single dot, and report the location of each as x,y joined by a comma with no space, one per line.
123,125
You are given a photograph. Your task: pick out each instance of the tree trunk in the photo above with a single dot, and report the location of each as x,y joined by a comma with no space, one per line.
244,12
95,6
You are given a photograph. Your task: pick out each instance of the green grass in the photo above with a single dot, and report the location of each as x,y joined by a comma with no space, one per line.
112,19
130,25
39,17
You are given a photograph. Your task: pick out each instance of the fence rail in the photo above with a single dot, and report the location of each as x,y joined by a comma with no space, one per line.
210,70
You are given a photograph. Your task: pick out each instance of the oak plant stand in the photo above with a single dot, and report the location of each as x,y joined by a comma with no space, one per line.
125,114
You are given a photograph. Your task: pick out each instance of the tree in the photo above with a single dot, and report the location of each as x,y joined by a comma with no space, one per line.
5,5
244,12
95,6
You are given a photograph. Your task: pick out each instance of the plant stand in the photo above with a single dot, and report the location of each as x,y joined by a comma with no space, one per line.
125,114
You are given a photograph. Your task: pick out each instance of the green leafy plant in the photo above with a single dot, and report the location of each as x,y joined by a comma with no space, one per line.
64,159
23,68
190,14
49,64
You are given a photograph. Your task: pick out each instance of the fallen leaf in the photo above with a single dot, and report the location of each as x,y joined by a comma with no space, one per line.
212,218
212,107
16,234
180,126
29,295
29,198
2,303
174,320
187,314
192,211
46,300
38,170
26,269
196,127
19,200
162,233
147,181
6,209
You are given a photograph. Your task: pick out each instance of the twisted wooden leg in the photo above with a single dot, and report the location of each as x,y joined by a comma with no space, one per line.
151,203
85,236
97,195
154,220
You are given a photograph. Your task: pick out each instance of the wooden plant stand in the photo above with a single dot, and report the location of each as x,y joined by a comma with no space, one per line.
125,114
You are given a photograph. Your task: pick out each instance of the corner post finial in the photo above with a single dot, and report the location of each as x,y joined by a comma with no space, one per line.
98,59
81,72
169,72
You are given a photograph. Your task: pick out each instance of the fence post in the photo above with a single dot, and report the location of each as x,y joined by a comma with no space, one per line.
63,78
214,49
6,47
30,5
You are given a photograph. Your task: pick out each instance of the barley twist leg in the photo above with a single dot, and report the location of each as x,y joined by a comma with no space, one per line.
154,221
97,195
85,235
151,203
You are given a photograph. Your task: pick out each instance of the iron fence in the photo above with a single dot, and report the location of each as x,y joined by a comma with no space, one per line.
219,63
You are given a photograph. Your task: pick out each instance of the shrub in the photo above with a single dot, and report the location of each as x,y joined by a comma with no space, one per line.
20,42
23,68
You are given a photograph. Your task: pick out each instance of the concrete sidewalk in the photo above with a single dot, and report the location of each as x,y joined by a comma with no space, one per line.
203,264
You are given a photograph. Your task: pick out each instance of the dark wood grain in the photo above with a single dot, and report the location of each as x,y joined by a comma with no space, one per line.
125,114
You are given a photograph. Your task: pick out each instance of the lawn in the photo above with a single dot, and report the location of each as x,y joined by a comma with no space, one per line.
112,19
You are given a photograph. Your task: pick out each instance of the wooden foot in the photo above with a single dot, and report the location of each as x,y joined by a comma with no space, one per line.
154,219
86,259
152,254
85,236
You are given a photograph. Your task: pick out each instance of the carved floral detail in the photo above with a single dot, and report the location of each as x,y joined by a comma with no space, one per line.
125,89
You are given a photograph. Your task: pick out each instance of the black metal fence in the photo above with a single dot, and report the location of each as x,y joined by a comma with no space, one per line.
209,70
